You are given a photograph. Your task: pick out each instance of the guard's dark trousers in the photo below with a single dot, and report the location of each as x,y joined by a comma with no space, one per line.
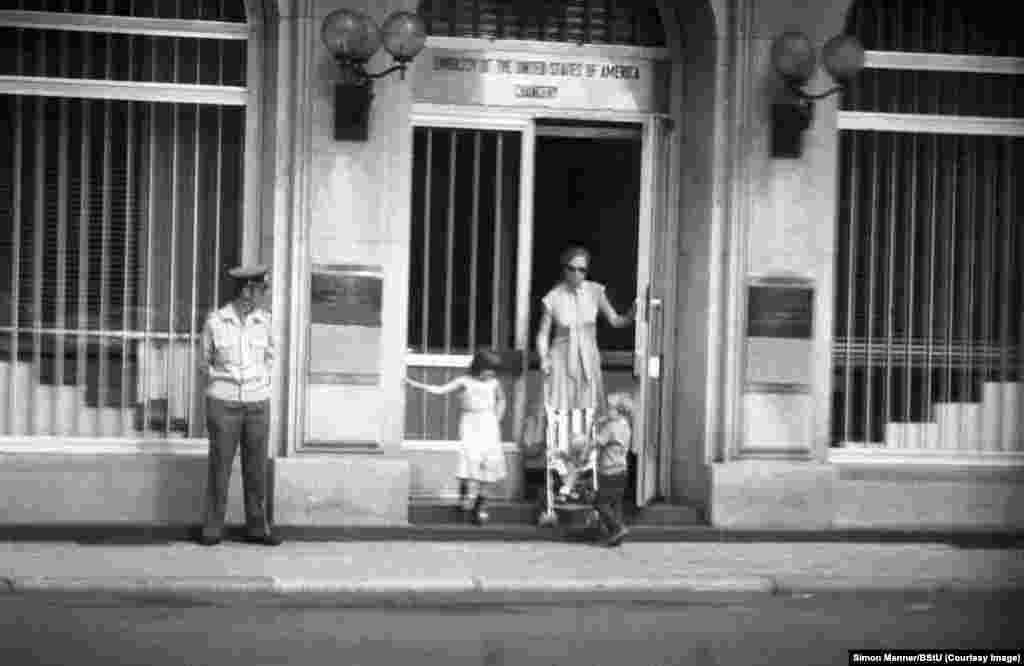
230,422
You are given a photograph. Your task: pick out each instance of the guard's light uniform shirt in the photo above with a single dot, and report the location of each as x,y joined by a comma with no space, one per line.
237,355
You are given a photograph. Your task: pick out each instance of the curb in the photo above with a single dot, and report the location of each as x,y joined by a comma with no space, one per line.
389,592
107,534
803,585
150,588
406,593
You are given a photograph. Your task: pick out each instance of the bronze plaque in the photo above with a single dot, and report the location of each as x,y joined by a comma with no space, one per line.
346,296
780,311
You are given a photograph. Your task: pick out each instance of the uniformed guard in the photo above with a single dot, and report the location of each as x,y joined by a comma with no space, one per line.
237,358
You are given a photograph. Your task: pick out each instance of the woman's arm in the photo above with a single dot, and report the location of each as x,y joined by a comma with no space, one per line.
451,386
543,339
613,317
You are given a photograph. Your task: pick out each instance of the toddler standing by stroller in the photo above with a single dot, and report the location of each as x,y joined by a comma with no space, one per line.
481,459
612,434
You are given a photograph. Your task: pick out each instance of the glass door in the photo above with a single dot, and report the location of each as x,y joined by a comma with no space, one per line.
653,261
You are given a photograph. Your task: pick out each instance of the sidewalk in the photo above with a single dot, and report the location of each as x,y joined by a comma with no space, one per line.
354,573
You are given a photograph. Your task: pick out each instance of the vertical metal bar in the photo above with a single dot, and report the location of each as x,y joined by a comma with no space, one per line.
127,323
951,267
60,322
425,312
83,253
450,245
450,263
127,297
853,234
192,411
498,263
873,247
933,208
38,272
989,235
171,339
14,398
1012,204
1007,273
911,285
217,222
970,226
102,342
474,241
146,357
890,271
191,414
57,418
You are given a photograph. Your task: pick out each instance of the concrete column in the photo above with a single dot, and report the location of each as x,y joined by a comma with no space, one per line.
771,468
340,204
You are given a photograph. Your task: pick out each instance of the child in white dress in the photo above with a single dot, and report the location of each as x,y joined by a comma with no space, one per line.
481,459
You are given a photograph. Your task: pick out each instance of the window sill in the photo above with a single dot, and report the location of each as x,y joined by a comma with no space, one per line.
93,446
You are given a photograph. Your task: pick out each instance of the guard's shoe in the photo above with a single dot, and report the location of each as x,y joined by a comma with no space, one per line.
208,540
547,519
267,539
617,537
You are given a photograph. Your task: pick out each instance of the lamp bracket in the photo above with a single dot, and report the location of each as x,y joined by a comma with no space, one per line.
355,70
795,87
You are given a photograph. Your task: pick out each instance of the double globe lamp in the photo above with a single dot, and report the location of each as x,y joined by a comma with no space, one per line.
794,59
352,37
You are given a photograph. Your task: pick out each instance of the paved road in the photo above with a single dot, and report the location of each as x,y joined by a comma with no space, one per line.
805,629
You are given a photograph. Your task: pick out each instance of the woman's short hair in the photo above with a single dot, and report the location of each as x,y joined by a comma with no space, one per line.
483,360
575,251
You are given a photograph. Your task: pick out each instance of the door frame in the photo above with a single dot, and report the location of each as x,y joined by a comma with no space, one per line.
654,165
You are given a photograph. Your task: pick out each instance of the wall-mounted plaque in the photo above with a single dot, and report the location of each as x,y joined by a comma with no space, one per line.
780,310
345,324
346,295
780,318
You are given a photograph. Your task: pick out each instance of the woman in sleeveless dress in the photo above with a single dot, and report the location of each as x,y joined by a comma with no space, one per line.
567,337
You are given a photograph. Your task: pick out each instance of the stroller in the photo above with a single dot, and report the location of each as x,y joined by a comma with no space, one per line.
571,468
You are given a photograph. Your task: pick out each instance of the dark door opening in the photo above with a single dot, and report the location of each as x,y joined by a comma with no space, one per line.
587,192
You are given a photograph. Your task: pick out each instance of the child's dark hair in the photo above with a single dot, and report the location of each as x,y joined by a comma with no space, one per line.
483,360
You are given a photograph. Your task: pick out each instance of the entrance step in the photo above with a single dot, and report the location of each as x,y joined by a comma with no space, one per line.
433,512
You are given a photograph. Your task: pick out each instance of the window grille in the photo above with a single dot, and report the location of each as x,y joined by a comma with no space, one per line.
122,57
576,21
465,220
929,294
118,219
202,10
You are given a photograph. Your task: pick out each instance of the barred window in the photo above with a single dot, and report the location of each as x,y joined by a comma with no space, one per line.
120,210
929,295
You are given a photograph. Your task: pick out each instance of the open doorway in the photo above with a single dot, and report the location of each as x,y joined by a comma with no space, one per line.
587,191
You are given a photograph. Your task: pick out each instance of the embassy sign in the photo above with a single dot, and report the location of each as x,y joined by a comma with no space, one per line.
556,80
